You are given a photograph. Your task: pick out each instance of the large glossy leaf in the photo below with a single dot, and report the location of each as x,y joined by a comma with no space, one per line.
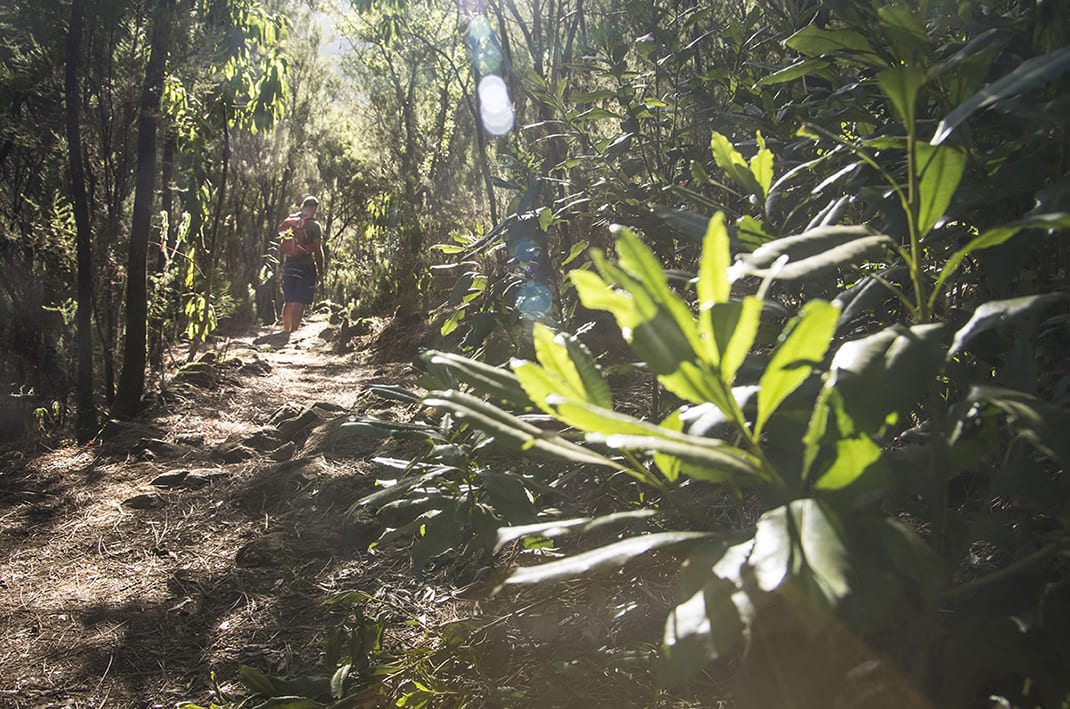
1029,74
709,459
803,346
561,527
513,432
814,253
814,41
797,70
901,86
1043,424
998,313
731,161
713,285
886,372
733,328
704,627
604,558
997,236
801,542
941,171
485,379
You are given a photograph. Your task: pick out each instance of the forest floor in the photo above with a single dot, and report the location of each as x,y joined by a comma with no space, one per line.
146,569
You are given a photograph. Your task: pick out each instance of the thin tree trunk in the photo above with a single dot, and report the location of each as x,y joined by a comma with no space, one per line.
132,379
213,234
86,419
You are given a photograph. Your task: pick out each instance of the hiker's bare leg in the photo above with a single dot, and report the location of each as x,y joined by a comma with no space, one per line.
287,317
295,316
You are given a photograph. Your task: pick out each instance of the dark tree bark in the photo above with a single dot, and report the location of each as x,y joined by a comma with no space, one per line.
86,418
132,379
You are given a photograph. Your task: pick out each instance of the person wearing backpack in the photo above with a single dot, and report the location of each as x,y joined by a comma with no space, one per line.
301,254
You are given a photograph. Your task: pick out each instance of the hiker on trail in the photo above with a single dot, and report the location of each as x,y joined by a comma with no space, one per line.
301,251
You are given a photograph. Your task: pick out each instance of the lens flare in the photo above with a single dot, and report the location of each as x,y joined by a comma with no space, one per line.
534,300
495,108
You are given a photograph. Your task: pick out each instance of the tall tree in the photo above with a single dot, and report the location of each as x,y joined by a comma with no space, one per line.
86,422
132,379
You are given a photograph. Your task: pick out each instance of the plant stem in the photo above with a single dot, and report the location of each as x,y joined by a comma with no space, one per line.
1007,571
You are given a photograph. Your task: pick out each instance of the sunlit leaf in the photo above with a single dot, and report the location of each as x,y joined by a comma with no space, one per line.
901,86
804,343
797,70
604,558
562,527
941,171
814,253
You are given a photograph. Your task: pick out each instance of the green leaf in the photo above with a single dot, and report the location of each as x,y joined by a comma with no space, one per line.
701,629
901,86
886,372
997,313
941,172
1029,74
1042,424
997,236
733,328
761,166
813,253
713,285
512,431
854,456
485,379
796,71
574,252
710,459
566,357
803,345
733,164
604,558
563,527
814,41
801,542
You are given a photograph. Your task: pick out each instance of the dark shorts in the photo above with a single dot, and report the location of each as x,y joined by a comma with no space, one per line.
299,282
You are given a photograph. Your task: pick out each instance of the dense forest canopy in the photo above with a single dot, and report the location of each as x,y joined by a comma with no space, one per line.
828,240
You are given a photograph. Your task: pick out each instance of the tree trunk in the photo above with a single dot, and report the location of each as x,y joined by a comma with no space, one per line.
210,252
132,379
86,419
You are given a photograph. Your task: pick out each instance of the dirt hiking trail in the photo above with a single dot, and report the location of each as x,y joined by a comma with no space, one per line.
206,535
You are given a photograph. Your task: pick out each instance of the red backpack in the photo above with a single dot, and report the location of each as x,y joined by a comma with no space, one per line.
292,236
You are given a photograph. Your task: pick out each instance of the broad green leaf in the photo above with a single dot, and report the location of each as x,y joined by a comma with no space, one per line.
941,171
734,328
596,294
1029,74
653,286
605,558
711,459
813,253
886,372
803,345
797,70
814,41
452,322
511,431
699,630
997,313
761,166
901,86
801,542
853,456
731,161
1042,424
485,379
554,358
998,235
713,285
508,496
574,252
563,527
